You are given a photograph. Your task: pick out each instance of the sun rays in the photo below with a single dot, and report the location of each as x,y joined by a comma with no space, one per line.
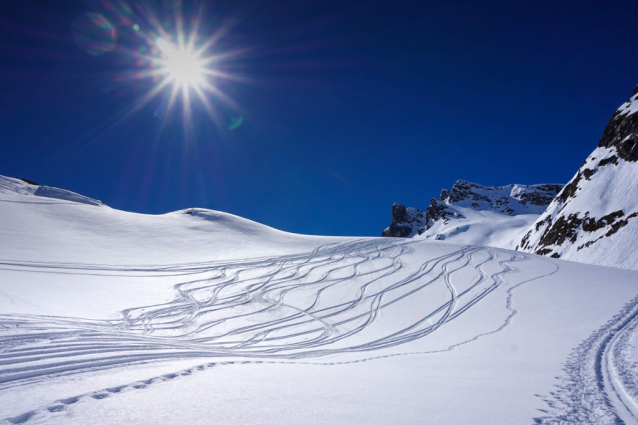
173,63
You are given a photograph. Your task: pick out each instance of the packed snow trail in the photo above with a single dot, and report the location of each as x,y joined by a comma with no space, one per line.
289,307
601,386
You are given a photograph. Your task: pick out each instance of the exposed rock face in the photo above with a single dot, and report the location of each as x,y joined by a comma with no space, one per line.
405,222
621,132
450,206
511,199
594,218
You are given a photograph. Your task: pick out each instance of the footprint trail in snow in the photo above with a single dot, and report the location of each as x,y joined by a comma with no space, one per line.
601,382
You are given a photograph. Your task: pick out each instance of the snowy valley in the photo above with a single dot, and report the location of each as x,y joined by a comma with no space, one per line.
114,317
195,202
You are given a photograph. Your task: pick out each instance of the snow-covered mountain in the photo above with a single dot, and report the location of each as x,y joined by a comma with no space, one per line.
594,219
471,213
197,316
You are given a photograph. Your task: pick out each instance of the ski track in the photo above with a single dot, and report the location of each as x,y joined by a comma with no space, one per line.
268,310
600,385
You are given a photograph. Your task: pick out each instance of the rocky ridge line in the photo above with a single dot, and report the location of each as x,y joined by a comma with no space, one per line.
599,201
507,200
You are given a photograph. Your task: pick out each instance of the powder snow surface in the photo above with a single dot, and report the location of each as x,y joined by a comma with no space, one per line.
611,187
492,216
201,317
484,227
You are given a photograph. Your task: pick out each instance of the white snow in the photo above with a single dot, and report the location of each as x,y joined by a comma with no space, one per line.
629,107
109,317
491,216
611,188
481,227
11,185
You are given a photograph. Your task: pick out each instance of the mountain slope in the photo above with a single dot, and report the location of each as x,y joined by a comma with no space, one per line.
111,317
27,187
471,213
83,230
595,217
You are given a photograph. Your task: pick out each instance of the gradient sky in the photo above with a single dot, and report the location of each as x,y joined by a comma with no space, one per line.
348,106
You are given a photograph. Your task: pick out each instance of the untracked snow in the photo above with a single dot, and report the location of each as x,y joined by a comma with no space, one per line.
471,213
594,219
202,317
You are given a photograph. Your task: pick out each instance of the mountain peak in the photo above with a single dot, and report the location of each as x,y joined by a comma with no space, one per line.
405,222
467,203
621,132
594,218
510,199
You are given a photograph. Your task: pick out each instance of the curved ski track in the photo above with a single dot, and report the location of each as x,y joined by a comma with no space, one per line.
284,308
601,382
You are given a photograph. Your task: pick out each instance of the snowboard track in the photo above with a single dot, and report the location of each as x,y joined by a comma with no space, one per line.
265,310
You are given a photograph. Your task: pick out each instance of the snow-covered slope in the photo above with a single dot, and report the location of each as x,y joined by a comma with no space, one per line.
83,230
198,316
595,218
471,213
27,187
202,317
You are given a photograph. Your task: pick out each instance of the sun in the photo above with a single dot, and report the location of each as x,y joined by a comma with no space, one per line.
183,66
173,61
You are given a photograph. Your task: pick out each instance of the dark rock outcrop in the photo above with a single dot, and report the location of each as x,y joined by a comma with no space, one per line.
622,131
598,202
404,222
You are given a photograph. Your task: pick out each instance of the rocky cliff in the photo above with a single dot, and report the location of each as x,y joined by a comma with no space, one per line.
406,222
594,219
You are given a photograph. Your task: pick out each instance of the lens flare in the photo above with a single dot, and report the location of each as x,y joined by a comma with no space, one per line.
93,34
235,123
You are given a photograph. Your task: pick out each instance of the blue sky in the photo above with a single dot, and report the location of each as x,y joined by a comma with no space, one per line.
347,106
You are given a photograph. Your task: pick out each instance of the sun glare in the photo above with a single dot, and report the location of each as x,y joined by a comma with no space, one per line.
181,65
173,61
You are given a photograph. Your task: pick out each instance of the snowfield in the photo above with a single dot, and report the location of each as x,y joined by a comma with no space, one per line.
490,216
483,227
200,317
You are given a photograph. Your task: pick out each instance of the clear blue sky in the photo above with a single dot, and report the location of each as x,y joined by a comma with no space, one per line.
348,106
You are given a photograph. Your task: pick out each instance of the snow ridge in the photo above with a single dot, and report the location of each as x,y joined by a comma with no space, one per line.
26,187
511,199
